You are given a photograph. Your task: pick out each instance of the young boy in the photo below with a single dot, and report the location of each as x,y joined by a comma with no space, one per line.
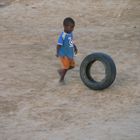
66,48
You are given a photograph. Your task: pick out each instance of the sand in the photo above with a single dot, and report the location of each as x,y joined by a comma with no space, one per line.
32,103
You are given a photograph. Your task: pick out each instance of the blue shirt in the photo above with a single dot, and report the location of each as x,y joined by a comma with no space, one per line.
67,47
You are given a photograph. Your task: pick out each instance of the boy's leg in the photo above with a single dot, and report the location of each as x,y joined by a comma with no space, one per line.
65,64
72,64
63,73
71,67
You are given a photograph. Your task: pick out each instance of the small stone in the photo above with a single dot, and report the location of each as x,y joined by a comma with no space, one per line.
33,7
135,27
26,4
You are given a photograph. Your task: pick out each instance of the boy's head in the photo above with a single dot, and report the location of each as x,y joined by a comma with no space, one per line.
68,24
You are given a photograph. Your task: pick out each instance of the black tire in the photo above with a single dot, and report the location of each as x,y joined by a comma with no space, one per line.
110,71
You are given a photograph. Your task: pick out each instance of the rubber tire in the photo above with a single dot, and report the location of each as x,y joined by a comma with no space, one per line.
110,71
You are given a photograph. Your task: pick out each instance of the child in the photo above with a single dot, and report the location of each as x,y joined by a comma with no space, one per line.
66,48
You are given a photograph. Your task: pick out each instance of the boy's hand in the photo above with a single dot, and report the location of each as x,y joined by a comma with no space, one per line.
75,49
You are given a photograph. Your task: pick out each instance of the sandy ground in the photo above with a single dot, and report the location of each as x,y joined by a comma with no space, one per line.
33,106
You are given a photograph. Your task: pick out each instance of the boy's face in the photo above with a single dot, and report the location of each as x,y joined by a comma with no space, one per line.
69,28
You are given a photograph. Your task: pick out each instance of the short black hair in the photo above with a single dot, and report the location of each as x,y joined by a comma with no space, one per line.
68,21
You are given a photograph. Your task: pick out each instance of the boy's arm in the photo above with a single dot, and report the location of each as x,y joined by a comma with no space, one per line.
75,49
57,50
59,44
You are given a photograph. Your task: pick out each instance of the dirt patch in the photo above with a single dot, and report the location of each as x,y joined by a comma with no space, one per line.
7,106
4,3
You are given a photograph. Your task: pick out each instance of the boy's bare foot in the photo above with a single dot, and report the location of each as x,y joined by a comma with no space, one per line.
62,82
62,75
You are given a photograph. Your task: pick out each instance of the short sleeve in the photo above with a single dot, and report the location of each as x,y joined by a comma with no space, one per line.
60,40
